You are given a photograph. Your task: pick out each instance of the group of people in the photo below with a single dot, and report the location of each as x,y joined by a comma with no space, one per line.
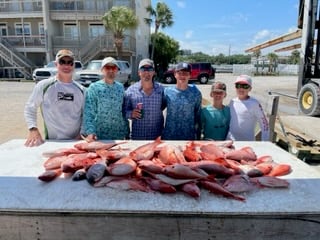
106,111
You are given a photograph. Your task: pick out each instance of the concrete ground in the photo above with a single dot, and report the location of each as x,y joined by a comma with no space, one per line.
15,94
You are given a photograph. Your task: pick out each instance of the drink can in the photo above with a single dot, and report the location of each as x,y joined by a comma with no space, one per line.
140,107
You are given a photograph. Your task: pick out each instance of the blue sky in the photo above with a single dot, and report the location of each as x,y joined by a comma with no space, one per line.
230,26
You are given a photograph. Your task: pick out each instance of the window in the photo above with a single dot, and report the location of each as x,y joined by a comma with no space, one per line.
26,30
3,29
41,29
122,3
71,31
96,29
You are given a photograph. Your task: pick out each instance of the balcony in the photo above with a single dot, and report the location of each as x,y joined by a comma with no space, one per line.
18,41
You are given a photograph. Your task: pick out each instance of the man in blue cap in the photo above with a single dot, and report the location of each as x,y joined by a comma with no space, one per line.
183,103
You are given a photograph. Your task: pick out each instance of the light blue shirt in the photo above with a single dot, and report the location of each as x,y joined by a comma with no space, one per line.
183,113
103,111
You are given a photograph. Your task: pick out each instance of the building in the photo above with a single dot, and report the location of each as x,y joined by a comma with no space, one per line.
32,31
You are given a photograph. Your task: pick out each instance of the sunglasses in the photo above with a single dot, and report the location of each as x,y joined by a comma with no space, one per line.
110,67
64,62
146,69
244,86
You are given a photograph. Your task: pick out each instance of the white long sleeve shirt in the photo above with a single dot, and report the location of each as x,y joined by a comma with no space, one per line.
61,107
245,114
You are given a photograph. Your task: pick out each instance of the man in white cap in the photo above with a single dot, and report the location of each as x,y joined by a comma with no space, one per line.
103,116
183,103
61,101
144,104
246,112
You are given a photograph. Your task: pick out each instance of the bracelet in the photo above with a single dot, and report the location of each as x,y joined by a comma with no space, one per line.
33,129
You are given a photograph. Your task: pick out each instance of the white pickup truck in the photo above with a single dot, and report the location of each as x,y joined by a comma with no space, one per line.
92,73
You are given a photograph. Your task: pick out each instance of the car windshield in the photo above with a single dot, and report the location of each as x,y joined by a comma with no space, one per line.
51,64
96,65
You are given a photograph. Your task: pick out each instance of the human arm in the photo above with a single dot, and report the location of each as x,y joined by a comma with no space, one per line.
89,113
34,137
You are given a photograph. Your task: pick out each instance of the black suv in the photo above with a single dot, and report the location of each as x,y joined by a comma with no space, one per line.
200,71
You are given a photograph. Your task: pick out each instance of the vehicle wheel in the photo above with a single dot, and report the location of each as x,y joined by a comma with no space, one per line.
309,99
203,79
169,79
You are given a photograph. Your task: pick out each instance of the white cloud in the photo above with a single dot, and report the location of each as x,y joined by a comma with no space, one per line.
261,35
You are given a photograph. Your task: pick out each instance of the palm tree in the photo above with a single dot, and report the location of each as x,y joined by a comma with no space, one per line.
273,59
117,20
162,17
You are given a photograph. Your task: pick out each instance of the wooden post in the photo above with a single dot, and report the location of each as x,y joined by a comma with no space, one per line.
272,112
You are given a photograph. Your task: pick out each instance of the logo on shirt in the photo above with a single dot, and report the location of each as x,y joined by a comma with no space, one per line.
65,96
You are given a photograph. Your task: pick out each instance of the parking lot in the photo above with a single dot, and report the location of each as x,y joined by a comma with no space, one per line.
15,94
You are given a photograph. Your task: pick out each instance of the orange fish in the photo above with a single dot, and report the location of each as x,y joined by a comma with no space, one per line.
191,189
171,154
146,151
49,175
245,153
93,146
123,166
280,170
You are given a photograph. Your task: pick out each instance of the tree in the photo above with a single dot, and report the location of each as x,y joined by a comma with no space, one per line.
165,52
117,20
273,59
162,17
294,57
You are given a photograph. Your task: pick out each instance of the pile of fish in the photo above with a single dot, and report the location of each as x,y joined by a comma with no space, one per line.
164,167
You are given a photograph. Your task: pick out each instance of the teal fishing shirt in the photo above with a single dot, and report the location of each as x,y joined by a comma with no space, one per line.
103,111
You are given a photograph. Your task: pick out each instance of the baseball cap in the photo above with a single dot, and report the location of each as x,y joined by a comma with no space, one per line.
182,66
64,53
218,86
109,60
145,62
244,79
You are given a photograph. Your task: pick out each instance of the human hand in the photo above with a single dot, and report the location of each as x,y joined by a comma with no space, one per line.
34,138
136,113
90,138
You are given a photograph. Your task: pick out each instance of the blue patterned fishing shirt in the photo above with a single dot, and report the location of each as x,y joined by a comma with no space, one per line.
183,113
150,126
103,111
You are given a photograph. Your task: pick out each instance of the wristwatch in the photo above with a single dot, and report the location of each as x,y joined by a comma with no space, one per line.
33,128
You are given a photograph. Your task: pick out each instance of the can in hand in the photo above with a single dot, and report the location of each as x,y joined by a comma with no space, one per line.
140,107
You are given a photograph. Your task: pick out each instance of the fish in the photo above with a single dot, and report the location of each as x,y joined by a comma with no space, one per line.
279,170
50,175
191,189
191,154
61,152
110,154
54,162
79,175
78,161
123,166
128,184
151,166
211,168
245,153
146,151
211,152
159,186
170,180
181,171
96,145
216,188
238,184
171,154
271,182
96,171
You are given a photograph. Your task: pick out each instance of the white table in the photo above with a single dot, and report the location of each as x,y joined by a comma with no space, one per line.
64,209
